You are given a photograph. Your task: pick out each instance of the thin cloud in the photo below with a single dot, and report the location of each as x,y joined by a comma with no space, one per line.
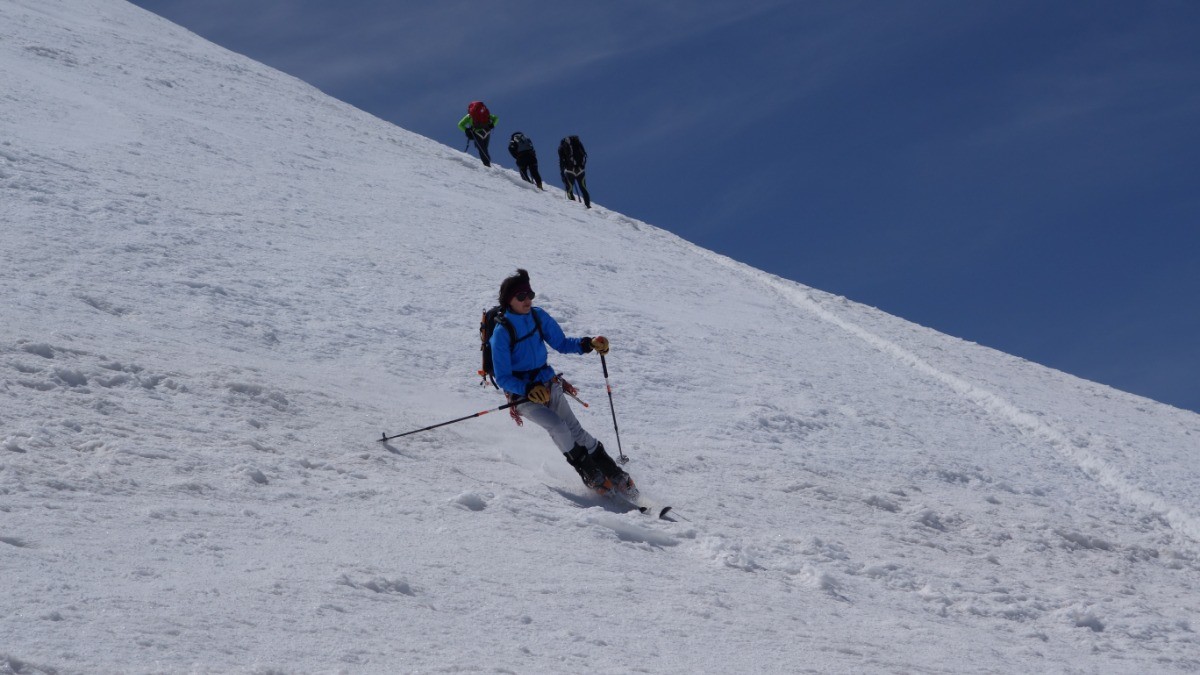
520,46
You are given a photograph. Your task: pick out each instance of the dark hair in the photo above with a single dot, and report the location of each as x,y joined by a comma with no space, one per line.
513,285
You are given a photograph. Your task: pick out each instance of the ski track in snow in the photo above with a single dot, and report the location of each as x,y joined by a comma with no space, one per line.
1106,474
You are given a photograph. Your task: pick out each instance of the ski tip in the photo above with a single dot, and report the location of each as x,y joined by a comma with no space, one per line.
643,509
663,514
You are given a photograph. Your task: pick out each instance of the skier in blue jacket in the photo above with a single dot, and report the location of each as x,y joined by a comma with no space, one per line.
521,370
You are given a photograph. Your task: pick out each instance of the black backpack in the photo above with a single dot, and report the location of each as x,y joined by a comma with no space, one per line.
571,153
521,142
487,325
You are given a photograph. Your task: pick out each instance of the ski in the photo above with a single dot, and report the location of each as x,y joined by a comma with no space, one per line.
663,512
626,492
634,498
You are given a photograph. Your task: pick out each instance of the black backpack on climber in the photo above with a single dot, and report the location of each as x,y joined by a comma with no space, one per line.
571,154
519,143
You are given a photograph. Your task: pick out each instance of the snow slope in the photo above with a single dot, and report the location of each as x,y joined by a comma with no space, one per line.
220,286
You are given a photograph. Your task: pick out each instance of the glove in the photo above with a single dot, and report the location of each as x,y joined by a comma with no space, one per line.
537,393
467,131
598,343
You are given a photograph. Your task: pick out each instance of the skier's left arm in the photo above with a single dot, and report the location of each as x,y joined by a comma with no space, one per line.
552,333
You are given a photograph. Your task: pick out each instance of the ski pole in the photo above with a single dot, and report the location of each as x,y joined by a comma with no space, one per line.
620,453
481,413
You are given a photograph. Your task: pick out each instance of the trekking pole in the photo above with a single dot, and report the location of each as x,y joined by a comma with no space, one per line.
481,413
620,453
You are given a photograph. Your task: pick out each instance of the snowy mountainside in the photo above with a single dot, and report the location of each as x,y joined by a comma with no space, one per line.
220,286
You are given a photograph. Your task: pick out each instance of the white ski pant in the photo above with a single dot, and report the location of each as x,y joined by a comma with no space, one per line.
558,420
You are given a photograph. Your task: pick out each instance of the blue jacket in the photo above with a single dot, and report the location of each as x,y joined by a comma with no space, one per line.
516,367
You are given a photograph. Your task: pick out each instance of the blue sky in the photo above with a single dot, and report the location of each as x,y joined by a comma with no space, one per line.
1019,174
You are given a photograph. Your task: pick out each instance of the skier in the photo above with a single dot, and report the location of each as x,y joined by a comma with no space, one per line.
521,148
477,124
572,164
521,370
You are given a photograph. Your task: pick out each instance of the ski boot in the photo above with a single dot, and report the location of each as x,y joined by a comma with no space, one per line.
615,477
591,474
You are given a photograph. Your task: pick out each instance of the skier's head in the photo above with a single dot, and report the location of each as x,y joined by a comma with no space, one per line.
517,284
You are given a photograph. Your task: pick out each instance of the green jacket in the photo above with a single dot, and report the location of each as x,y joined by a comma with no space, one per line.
465,122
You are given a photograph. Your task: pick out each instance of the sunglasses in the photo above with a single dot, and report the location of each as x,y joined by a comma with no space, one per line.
525,295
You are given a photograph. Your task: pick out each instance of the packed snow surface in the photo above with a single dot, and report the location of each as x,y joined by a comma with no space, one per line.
220,287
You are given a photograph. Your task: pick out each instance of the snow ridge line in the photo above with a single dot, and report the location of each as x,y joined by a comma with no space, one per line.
1099,470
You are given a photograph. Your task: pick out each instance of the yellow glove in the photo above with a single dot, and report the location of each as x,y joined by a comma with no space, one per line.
537,393
600,344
